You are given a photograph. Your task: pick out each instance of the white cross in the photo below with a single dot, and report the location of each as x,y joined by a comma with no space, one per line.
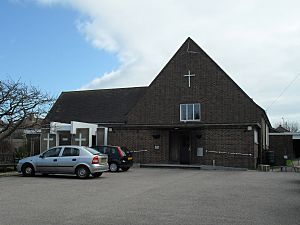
48,139
189,76
80,139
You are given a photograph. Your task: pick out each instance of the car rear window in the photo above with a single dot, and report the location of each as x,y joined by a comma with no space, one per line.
124,149
100,149
123,152
93,151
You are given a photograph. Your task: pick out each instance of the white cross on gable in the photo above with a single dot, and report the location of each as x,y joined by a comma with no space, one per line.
48,139
80,139
189,75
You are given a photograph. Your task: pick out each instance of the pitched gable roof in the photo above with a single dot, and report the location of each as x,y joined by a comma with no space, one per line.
281,129
222,98
94,106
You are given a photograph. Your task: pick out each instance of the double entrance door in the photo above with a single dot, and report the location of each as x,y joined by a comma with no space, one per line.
180,147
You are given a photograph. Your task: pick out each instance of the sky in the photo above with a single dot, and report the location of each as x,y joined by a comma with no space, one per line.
63,45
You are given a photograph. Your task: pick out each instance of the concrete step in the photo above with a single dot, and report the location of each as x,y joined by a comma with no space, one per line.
195,167
171,166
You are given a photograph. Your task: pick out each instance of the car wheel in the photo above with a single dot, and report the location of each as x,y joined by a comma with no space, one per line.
96,174
125,169
82,172
113,167
28,170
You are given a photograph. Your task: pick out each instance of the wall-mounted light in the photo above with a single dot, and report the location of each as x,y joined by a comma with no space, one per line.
198,136
156,136
249,128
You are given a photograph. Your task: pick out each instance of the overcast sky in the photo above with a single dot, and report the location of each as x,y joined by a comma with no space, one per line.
256,42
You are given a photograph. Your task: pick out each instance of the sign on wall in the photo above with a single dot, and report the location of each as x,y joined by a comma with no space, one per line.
199,151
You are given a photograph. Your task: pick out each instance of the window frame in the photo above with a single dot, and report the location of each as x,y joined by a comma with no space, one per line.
186,105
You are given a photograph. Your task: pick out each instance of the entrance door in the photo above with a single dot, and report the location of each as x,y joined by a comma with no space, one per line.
185,151
180,147
64,138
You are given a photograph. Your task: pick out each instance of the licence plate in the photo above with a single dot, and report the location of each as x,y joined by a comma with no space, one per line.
129,158
103,160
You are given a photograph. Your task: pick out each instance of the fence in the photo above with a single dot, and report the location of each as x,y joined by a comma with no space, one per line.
7,158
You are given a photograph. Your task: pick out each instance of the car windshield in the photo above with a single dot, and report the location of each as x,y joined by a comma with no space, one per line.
93,151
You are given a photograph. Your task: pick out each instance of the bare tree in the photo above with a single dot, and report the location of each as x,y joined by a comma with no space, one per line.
18,101
291,126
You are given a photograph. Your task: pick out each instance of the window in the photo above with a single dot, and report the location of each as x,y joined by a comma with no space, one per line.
54,152
255,136
91,150
101,149
190,112
71,152
267,136
113,151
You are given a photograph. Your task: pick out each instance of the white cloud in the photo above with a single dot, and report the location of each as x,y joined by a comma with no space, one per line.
255,42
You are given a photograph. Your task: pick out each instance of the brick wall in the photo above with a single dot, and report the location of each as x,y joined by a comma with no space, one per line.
100,136
233,140
229,140
143,139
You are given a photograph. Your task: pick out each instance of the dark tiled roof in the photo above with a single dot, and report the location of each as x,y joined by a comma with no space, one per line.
95,106
281,129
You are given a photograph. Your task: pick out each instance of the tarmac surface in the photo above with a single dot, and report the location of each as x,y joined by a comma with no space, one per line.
153,196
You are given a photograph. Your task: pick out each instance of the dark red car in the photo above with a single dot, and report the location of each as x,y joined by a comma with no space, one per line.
118,157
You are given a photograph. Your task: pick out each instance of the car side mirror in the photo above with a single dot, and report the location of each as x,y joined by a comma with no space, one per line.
41,156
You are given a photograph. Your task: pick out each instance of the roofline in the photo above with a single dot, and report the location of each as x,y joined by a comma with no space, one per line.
187,125
106,89
285,134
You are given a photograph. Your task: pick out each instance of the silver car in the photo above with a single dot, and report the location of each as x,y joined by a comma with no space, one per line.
78,160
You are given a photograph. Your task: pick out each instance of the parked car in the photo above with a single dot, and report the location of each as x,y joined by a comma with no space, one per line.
78,160
118,157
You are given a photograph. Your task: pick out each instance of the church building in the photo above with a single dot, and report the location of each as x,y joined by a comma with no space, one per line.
191,113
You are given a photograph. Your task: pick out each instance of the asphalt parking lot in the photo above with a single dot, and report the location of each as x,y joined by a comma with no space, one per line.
153,196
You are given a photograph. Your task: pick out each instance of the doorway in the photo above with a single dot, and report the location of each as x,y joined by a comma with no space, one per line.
296,148
180,147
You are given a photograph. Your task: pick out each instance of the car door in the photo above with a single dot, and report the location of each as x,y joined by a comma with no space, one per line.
47,162
68,159
113,154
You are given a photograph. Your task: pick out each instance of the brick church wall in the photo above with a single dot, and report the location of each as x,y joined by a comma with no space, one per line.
234,140
143,139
